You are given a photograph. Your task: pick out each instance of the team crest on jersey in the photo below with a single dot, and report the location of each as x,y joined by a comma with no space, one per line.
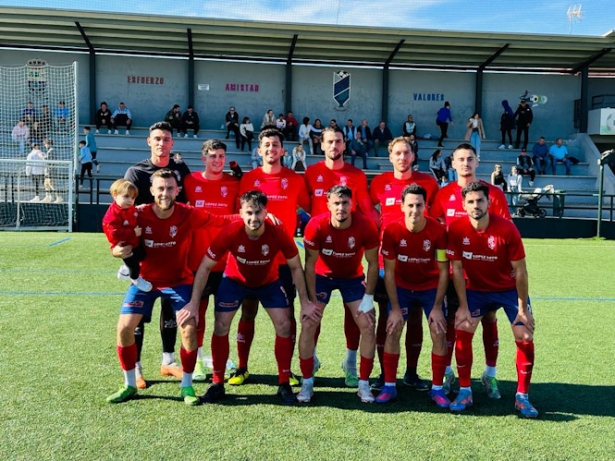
387,187
329,239
173,231
491,242
136,213
241,249
403,243
343,181
265,250
426,245
198,189
319,178
257,183
466,241
284,183
125,223
351,242
148,230
223,191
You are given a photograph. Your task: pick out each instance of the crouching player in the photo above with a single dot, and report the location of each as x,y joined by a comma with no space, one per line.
334,246
490,251
415,274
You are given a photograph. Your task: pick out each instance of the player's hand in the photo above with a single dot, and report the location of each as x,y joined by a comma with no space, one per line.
526,319
366,308
138,231
311,311
463,315
189,311
394,321
436,316
274,219
121,251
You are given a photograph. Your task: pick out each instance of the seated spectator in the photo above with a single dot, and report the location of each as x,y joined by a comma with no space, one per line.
190,121
280,123
29,114
61,115
451,173
437,167
121,117
304,133
287,159
42,125
298,157
514,184
559,153
174,117
366,134
542,159
497,178
409,127
246,130
524,166
414,145
103,118
255,158
231,120
358,148
381,136
21,135
268,120
290,132
333,123
316,137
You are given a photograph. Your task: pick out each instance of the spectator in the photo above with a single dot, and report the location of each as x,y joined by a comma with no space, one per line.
451,173
35,170
298,157
316,136
514,184
524,166
437,167
280,123
290,133
304,133
231,120
366,135
524,117
268,120
90,143
62,116
174,117
287,159
507,123
85,159
121,117
103,118
358,148
21,134
559,153
497,178
442,119
475,132
350,134
256,159
381,135
190,121
414,145
29,114
409,127
246,130
50,188
542,159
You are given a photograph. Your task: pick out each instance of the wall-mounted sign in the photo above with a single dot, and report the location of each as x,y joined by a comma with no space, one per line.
140,80
242,87
203,87
428,96
341,88
36,70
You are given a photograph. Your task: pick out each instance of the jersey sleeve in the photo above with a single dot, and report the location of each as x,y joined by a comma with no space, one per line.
310,236
499,204
303,198
220,246
287,244
435,210
453,251
374,190
388,243
372,238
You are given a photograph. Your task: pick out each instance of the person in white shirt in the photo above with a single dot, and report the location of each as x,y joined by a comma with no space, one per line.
304,133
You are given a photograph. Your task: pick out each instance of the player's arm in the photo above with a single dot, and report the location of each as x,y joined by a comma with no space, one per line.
308,308
437,314
119,251
522,284
395,317
310,272
191,309
463,312
366,206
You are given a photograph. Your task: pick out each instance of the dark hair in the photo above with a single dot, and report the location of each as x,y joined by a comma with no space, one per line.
340,191
465,146
164,173
87,128
331,129
413,189
306,120
476,186
435,153
189,107
82,143
245,119
164,126
255,198
269,133
212,144
175,106
104,102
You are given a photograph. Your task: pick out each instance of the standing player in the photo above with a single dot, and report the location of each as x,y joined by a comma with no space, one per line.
167,235
319,178
217,192
334,246
489,250
386,190
285,191
160,141
415,273
448,207
252,270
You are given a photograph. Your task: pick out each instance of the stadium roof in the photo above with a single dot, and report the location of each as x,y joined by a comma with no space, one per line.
82,31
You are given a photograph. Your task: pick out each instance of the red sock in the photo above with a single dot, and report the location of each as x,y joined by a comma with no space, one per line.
381,332
365,368
127,356
351,330
219,356
390,363
525,365
438,366
283,354
200,328
491,342
245,335
307,367
188,359
463,355
450,341
414,344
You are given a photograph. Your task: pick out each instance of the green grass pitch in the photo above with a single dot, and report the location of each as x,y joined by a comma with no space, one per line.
59,302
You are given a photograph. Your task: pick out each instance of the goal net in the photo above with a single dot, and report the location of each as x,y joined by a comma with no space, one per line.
38,113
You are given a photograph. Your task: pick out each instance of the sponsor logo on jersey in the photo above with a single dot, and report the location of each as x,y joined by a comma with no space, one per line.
351,242
148,243
241,249
200,203
241,260
467,254
403,243
223,191
318,192
466,241
491,242
384,252
390,201
265,250
173,231
402,258
450,212
327,251
426,245
211,254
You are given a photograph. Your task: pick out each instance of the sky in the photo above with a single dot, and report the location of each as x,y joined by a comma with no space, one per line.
513,16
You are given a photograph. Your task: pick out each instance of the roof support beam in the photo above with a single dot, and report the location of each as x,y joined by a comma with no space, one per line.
384,111
190,68
92,72
591,60
494,56
288,100
584,99
478,83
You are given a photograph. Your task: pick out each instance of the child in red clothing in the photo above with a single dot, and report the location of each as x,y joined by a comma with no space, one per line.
120,225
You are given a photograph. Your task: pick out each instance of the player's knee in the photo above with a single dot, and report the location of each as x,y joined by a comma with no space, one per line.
521,333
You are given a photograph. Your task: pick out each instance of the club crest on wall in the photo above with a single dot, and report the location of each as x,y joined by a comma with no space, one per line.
341,89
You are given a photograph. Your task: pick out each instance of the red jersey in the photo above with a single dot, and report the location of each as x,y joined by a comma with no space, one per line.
340,251
252,262
216,196
415,253
119,225
486,255
320,179
167,243
448,203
